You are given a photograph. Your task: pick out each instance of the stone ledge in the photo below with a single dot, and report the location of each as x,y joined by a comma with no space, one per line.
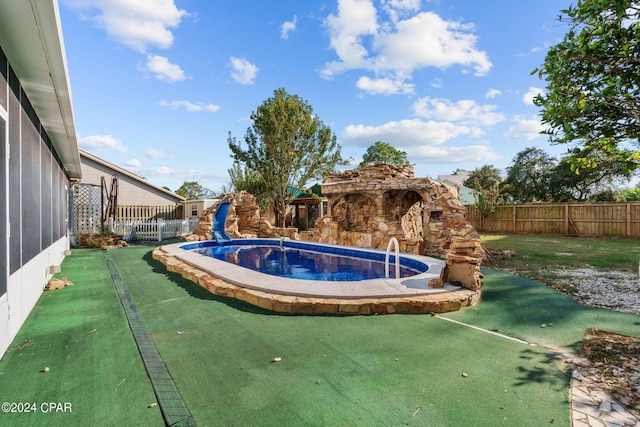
436,303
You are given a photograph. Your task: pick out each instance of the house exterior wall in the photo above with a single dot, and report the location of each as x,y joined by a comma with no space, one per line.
130,191
33,205
195,208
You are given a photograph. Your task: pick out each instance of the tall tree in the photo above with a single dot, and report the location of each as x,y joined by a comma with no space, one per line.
486,177
382,152
528,176
593,83
244,178
288,146
190,190
566,185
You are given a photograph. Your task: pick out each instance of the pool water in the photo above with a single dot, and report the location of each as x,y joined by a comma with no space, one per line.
303,264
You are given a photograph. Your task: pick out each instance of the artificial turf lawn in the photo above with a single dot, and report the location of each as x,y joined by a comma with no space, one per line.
360,370
519,307
81,334
335,371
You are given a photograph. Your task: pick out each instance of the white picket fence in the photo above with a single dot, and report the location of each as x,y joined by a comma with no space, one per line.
152,230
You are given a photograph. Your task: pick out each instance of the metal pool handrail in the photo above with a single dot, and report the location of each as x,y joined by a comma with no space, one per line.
386,259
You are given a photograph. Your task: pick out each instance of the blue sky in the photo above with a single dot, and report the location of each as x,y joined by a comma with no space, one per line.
157,85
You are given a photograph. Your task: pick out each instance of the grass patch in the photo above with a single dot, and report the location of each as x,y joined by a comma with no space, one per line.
547,258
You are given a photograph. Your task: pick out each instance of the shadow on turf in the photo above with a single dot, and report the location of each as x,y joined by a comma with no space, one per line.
545,370
197,291
538,309
539,368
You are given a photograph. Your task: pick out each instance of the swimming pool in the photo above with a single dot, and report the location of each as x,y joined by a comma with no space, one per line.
317,296
300,261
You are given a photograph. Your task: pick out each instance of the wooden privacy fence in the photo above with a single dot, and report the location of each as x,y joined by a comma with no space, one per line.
584,219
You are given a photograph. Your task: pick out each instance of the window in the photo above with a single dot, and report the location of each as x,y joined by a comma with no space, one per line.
194,210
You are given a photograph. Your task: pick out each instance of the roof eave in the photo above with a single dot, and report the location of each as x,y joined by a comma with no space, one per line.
123,171
31,37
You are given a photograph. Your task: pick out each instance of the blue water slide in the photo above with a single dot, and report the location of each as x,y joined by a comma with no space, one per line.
218,222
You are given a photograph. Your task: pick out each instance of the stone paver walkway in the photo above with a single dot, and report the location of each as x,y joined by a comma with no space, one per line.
592,407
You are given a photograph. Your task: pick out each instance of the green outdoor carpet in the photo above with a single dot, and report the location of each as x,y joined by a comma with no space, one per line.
387,370
336,371
174,410
520,307
81,334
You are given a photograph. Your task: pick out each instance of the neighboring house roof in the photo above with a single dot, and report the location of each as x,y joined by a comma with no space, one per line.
121,171
31,38
457,180
309,193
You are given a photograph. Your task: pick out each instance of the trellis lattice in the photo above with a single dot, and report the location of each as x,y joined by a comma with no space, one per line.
87,209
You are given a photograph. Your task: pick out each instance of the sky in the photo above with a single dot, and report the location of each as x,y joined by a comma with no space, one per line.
158,85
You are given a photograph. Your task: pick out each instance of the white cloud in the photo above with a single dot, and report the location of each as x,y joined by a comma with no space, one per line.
138,24
163,69
288,27
355,20
102,143
403,4
525,129
397,8
161,170
406,133
155,154
527,98
161,173
385,86
492,93
439,155
133,163
398,47
465,111
423,141
243,72
426,40
190,106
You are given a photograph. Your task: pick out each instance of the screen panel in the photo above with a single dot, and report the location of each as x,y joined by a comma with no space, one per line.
30,189
4,73
15,185
46,205
4,268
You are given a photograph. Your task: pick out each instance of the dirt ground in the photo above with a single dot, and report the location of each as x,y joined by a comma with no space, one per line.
612,362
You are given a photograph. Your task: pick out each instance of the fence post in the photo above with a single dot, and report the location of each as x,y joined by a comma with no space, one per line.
160,224
133,228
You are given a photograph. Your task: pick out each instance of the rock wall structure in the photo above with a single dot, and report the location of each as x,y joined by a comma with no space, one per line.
243,220
367,207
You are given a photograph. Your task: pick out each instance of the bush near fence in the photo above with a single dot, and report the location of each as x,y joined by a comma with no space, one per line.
583,219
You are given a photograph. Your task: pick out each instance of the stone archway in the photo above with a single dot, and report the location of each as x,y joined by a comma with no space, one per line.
396,203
